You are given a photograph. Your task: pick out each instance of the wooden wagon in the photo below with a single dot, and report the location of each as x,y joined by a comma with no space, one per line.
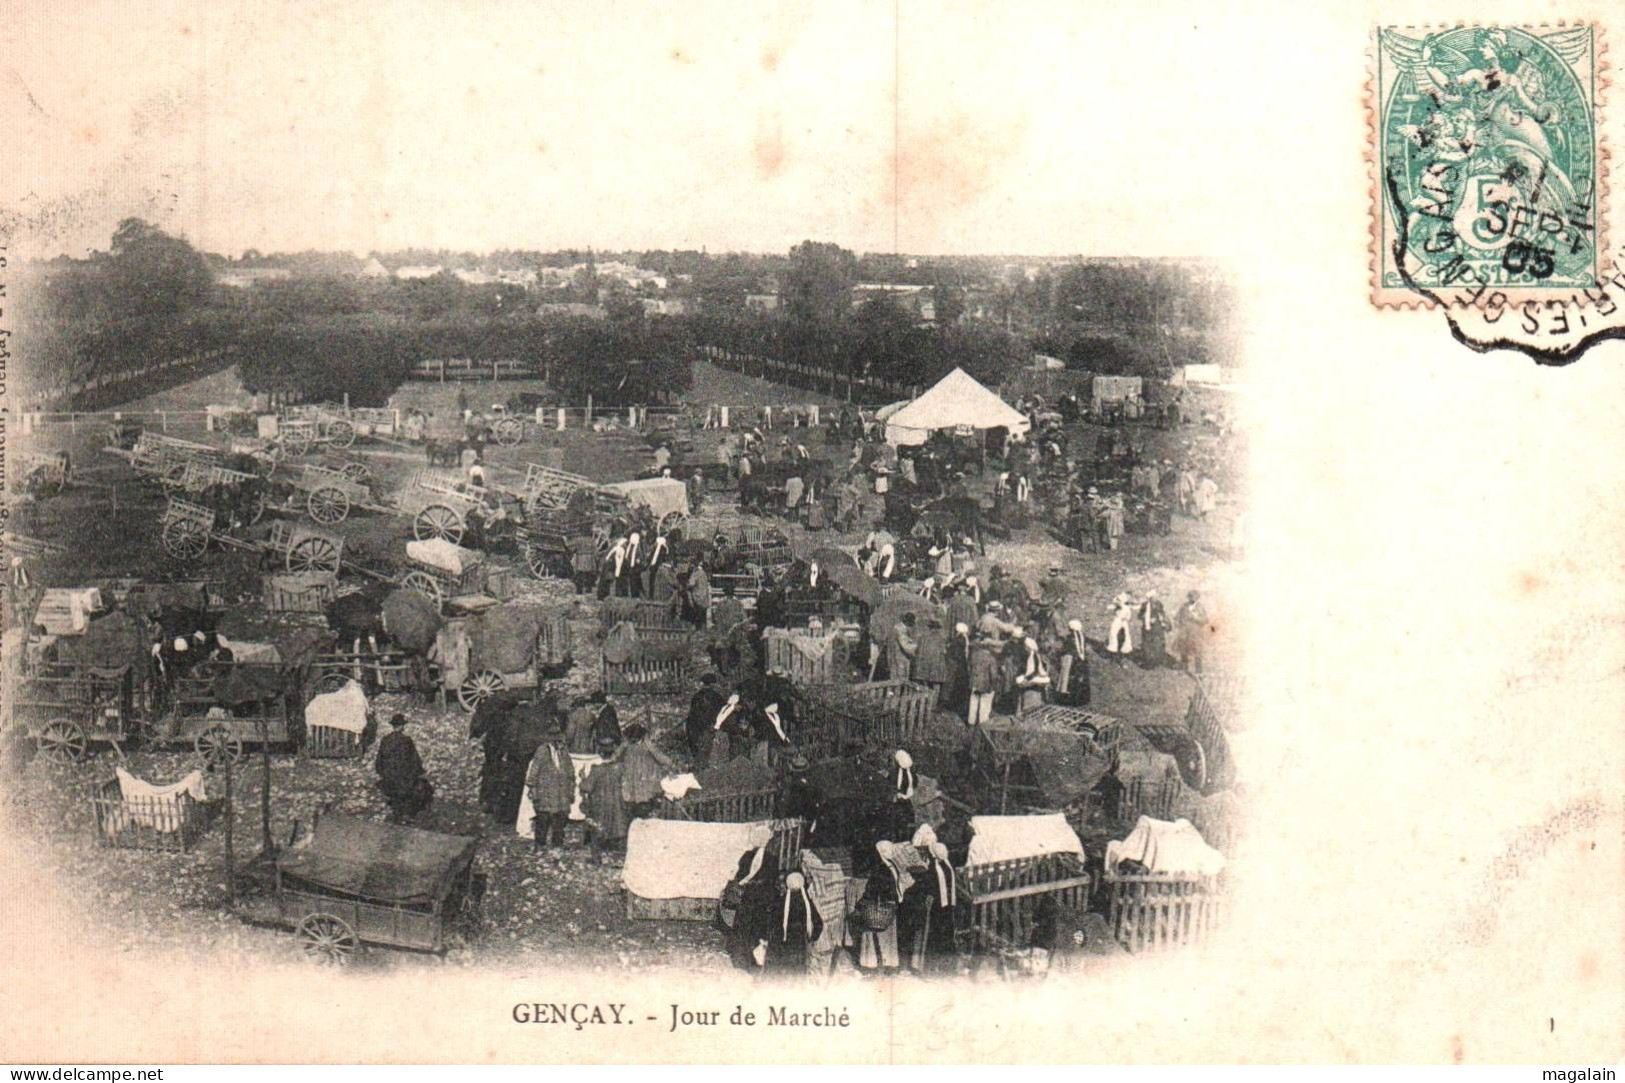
439,505
385,669
742,807
330,494
157,456
300,428
1216,707
551,650
238,494
186,528
304,549
353,882
45,473
838,718
643,614
549,536
167,822
1155,912
453,574
68,708
1043,759
220,708
299,592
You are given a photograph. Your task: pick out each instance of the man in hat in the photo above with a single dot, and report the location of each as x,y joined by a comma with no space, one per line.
961,602
1053,590
802,797
993,627
401,777
551,782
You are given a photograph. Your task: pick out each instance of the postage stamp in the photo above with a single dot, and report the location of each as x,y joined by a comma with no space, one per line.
1490,183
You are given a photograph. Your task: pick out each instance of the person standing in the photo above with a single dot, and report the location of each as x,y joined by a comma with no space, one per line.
401,776
956,691
931,656
551,781
799,926
1072,690
1153,621
1191,626
901,648
645,766
886,886
962,605
984,680
1119,637
702,713
1033,680
602,804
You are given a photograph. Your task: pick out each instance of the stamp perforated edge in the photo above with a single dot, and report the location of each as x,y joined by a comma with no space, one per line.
1392,297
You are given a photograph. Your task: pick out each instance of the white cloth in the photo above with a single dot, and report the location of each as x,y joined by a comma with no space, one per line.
345,709
1169,848
442,554
676,786
680,859
257,653
148,805
1005,838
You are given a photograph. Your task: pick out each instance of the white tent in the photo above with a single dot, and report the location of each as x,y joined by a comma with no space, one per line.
956,401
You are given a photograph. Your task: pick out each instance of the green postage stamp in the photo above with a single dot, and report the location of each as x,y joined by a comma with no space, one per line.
1489,176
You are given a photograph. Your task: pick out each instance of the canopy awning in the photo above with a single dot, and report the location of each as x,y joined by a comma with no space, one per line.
956,401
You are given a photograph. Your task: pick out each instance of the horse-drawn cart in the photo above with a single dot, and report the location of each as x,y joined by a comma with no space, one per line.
512,647
441,505
352,882
67,708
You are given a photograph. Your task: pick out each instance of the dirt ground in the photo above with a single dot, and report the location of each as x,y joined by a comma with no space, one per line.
558,908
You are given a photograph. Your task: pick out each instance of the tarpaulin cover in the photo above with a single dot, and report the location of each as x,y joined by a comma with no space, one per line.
680,859
117,639
739,775
379,861
884,617
1005,838
662,496
248,684
1064,764
412,619
853,581
503,638
1173,848
440,553
297,639
345,709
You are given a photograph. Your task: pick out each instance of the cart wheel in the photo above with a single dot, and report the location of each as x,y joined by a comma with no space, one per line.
536,560
185,539
328,505
295,444
341,433
256,510
327,939
509,431
438,521
473,691
425,584
1196,764
332,681
313,554
173,477
62,742
360,473
218,745
670,521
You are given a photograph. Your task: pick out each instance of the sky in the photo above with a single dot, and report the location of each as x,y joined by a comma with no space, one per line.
941,127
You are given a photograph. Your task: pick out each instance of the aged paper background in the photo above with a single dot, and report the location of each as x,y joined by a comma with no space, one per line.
1435,870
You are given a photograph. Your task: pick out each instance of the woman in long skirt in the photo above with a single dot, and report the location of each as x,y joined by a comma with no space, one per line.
799,925
877,949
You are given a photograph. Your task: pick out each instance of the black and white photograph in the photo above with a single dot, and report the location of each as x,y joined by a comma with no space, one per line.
829,506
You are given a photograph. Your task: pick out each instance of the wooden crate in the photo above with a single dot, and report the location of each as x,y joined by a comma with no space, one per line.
554,645
640,908
172,824
1151,913
723,808
332,743
642,613
870,713
827,667
304,592
646,677
1005,894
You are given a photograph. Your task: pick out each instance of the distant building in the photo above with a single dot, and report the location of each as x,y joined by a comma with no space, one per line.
243,277
572,308
917,301
421,271
373,269
667,306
